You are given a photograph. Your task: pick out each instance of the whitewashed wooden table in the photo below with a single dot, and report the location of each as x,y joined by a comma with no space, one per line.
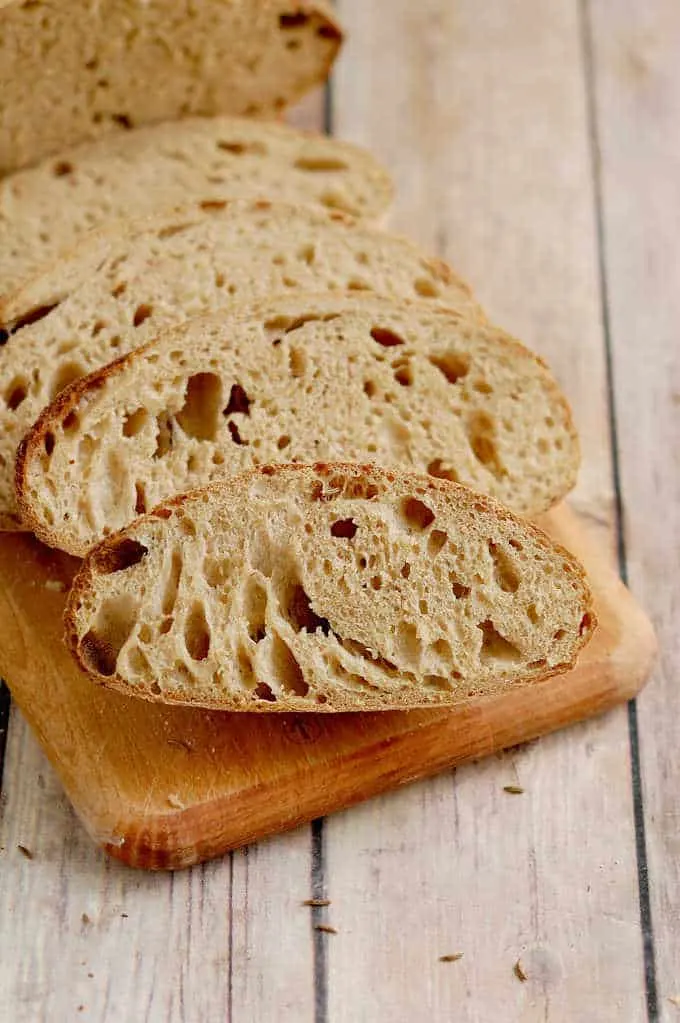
536,145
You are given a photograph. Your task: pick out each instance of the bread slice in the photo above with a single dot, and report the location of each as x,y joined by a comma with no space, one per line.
46,209
294,379
327,587
74,70
121,286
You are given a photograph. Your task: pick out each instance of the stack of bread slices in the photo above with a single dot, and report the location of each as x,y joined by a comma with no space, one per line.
298,462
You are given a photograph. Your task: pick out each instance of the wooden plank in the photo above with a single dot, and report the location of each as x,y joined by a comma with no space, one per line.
484,123
637,90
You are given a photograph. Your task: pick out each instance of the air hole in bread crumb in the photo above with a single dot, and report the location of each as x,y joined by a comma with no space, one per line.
515,544
560,634
386,338
480,432
199,416
307,254
70,422
33,316
286,669
140,498
437,682
443,650
119,556
119,289
426,288
235,434
369,388
453,365
585,624
408,644
459,590
405,570
97,655
239,403
300,614
142,314
416,514
166,625
62,169
135,422
163,435
297,360
356,284
245,668
441,471
321,164
197,633
212,205
482,387
172,583
66,374
496,647
283,442
264,692
376,582
49,442
295,19
16,393
532,614
344,529
254,609
404,375
435,542
505,574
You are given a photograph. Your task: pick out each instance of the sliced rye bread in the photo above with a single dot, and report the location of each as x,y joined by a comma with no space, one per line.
327,587
295,379
45,209
122,285
73,71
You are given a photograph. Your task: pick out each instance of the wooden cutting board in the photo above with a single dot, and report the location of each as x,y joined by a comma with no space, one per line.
164,787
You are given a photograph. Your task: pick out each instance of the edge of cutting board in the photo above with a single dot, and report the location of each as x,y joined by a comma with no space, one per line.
167,787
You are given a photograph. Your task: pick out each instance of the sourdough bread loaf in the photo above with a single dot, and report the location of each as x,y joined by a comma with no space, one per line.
327,588
45,209
121,286
294,379
73,70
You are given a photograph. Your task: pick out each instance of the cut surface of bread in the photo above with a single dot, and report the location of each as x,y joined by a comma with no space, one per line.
295,379
73,70
328,587
121,286
45,209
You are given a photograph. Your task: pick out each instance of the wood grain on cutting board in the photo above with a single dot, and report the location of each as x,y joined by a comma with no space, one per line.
166,787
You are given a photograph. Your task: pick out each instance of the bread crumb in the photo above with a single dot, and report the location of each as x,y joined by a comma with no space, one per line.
513,790
25,852
451,957
55,585
317,902
325,928
124,915
519,972
85,919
